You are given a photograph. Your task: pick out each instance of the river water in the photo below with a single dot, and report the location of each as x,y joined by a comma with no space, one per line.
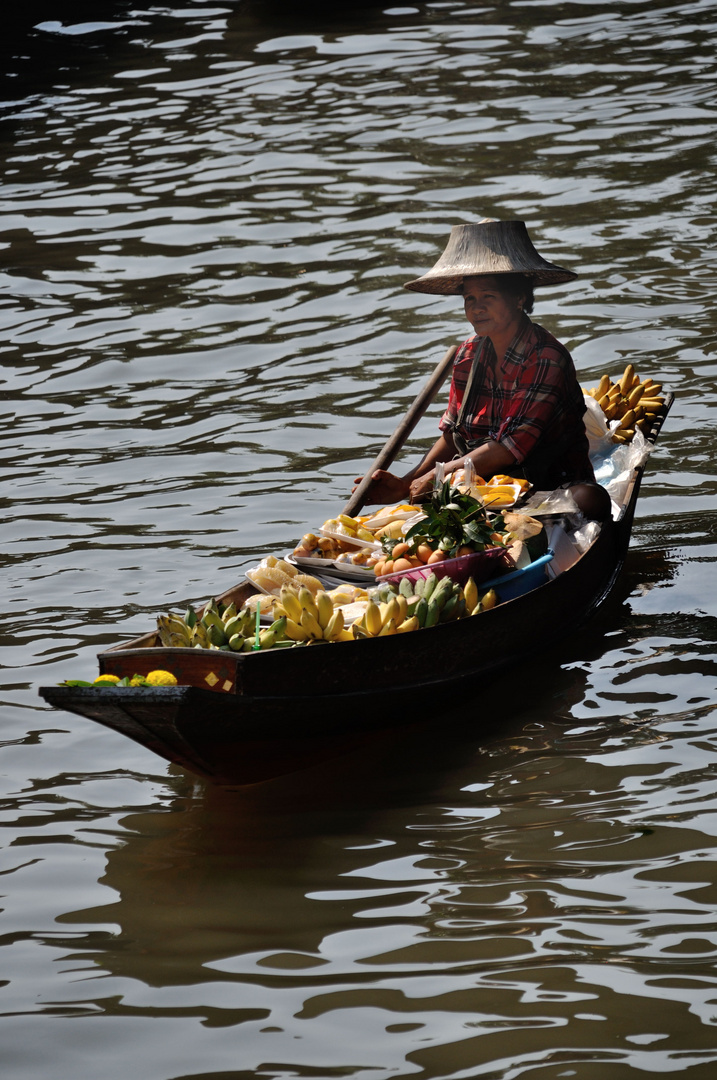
209,212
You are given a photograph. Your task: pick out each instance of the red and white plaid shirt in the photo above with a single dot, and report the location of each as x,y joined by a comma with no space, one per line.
532,405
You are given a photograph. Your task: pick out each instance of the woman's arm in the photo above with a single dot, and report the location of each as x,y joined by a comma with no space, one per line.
489,458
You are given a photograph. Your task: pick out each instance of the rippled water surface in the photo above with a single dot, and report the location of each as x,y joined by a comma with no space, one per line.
209,212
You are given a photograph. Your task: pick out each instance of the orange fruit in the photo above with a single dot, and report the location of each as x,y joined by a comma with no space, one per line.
401,564
399,550
424,552
437,556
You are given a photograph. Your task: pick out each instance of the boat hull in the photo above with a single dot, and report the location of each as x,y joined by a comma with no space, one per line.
243,718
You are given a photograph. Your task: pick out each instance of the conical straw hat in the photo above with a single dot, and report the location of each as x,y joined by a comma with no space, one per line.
488,247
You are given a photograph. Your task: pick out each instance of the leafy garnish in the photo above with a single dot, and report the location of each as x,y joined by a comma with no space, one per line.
454,519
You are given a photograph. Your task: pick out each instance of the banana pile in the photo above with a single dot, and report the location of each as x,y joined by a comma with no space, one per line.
219,627
398,609
634,403
308,617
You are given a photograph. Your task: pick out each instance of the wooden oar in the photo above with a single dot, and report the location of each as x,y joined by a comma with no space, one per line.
404,429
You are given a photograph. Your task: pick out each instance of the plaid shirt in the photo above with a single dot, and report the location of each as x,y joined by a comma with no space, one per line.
532,405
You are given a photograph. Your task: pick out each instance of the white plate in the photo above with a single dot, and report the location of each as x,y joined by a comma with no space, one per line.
343,570
385,517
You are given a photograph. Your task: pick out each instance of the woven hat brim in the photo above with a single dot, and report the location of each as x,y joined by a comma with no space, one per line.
445,285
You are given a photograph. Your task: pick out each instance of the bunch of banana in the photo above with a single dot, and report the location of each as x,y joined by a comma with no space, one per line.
214,630
476,603
635,404
424,603
385,617
310,618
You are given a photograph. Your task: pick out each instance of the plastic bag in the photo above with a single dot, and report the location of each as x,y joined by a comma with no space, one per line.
597,429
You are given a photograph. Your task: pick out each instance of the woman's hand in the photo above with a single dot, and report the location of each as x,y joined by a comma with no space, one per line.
384,488
421,487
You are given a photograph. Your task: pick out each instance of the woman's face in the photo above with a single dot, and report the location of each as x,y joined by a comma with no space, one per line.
490,312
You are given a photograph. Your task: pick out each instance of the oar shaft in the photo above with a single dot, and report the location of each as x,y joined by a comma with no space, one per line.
402,432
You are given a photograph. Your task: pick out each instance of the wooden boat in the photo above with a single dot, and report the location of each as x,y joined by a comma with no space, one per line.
239,718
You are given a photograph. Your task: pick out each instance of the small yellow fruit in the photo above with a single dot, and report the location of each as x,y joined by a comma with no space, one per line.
106,680
161,678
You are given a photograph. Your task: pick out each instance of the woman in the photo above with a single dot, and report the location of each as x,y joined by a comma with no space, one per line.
515,405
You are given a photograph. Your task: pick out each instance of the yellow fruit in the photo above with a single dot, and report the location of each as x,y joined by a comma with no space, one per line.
408,625
489,600
290,602
161,678
372,618
106,680
628,420
294,631
334,626
389,629
626,380
635,395
470,591
311,624
306,599
325,608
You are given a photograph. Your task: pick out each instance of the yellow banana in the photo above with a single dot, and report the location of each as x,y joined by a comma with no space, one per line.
603,402
306,599
324,607
373,619
626,380
603,386
294,631
345,635
470,591
627,420
388,629
489,600
408,625
402,602
334,626
389,611
652,404
311,624
290,603
634,396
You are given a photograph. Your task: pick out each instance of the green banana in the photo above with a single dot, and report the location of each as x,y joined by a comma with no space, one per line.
216,635
430,586
405,587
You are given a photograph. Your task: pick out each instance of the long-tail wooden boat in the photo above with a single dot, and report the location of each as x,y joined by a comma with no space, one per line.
240,718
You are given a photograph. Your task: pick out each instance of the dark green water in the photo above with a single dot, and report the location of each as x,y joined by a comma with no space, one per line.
209,212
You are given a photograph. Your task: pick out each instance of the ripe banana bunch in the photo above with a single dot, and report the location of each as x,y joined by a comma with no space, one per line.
310,617
633,403
383,618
